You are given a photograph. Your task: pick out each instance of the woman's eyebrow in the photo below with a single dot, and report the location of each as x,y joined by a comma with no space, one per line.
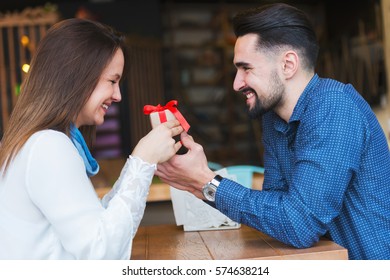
115,75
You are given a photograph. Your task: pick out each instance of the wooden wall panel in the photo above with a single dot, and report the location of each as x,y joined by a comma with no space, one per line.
13,54
144,84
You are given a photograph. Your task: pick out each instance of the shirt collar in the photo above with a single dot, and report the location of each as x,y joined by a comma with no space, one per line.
304,99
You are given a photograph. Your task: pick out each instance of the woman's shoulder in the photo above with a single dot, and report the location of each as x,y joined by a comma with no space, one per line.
49,134
49,140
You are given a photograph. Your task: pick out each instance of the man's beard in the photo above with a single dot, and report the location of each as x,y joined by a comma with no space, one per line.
263,106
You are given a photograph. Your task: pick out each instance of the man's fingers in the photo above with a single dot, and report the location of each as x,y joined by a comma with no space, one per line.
162,169
186,140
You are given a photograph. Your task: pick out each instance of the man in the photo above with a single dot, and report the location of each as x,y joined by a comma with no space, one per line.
326,159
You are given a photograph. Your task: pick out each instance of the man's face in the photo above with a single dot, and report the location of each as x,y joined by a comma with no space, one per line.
257,77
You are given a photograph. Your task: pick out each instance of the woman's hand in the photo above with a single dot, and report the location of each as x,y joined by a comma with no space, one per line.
158,145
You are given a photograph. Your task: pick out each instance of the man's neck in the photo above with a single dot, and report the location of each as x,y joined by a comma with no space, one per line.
294,90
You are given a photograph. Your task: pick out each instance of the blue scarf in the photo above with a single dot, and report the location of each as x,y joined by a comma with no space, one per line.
91,165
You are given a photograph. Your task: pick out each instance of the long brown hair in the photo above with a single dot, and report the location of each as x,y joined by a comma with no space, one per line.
63,74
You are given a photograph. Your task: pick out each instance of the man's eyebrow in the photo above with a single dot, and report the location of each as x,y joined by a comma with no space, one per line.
241,64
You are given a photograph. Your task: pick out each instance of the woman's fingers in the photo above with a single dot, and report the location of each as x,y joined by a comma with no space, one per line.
174,127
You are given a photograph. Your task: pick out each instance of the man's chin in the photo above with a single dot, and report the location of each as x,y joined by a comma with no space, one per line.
256,110
256,113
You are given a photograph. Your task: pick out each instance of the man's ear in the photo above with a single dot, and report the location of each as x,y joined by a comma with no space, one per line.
291,63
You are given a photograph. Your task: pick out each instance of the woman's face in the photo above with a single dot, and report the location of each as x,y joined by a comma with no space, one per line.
105,93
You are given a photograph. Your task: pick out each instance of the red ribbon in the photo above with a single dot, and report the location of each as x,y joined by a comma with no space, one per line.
171,106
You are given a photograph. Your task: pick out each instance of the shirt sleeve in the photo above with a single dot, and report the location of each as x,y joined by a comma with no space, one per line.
87,229
326,155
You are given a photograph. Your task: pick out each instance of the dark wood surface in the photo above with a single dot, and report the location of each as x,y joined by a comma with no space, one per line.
170,242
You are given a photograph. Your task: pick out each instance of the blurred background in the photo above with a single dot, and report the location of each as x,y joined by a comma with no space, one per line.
183,50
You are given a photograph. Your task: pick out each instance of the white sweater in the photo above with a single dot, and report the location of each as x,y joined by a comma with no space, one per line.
49,209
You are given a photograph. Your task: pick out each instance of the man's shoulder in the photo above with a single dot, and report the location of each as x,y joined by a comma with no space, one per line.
336,94
330,87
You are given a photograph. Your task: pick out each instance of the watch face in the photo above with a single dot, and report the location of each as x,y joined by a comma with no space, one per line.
209,192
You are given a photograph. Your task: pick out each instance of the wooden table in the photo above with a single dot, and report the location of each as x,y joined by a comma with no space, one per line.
170,242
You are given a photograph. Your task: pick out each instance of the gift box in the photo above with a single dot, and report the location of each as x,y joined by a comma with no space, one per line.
160,117
160,114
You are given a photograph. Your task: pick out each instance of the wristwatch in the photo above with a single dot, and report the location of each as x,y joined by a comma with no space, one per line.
210,188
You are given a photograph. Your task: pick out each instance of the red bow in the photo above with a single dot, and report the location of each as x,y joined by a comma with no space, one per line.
171,106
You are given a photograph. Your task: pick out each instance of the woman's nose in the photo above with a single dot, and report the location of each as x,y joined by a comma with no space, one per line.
117,96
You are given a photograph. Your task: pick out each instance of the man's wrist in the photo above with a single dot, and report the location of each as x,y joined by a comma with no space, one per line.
207,177
209,190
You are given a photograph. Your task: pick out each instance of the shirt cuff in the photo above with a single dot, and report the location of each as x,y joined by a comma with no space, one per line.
228,198
154,166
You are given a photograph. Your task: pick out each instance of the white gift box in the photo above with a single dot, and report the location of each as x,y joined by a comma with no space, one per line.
160,114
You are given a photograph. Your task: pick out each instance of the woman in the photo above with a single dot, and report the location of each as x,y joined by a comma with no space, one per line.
48,207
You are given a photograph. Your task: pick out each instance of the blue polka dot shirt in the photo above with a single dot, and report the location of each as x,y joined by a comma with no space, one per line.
327,172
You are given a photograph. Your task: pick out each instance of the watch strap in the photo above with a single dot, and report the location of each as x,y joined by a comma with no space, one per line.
209,190
216,180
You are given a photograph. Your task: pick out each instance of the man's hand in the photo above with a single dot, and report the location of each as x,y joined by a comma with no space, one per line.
187,172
